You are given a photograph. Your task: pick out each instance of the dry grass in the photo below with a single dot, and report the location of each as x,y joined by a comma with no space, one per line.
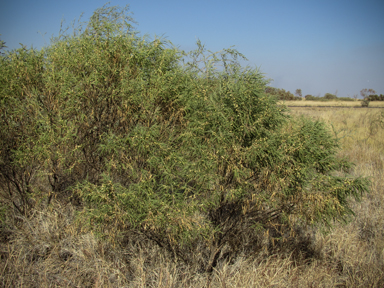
51,248
304,103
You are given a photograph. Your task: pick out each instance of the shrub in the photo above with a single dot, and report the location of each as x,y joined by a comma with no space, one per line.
310,97
281,94
345,99
188,155
21,81
375,97
315,98
365,103
329,96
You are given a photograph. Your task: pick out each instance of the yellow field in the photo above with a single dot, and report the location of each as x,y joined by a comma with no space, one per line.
331,103
355,125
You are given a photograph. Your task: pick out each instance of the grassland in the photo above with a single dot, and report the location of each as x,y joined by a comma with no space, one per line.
331,103
53,248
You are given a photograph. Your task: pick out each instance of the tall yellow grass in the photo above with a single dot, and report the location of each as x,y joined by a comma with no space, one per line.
52,249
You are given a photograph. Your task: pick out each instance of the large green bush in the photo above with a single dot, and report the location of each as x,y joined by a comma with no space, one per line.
169,145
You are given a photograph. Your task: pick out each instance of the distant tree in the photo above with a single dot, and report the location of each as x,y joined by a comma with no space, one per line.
310,97
281,94
355,96
330,96
375,97
367,92
298,93
345,99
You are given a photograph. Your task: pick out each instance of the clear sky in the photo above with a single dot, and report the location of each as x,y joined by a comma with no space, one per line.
319,46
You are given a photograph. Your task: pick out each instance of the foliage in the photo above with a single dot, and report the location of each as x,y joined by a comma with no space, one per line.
365,103
345,99
367,92
281,94
310,97
370,95
327,97
375,97
163,143
298,93
21,79
330,96
2,45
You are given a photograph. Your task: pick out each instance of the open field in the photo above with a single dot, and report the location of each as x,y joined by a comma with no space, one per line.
332,103
52,248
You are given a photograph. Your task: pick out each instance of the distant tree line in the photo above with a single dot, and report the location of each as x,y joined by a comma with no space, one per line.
281,94
375,97
370,95
327,97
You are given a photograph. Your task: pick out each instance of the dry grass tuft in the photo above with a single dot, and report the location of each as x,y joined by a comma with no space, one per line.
50,249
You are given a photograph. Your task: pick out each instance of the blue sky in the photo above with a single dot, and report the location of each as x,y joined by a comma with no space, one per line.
317,46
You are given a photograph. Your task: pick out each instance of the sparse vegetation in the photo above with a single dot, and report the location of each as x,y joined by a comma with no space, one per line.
375,97
126,162
281,94
365,103
348,104
328,97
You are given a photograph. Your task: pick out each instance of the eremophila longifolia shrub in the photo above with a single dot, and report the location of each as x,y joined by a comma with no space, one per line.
188,153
